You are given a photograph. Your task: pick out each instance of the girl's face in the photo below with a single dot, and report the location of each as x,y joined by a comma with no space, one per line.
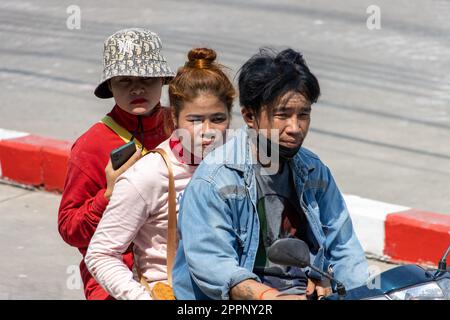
136,95
201,124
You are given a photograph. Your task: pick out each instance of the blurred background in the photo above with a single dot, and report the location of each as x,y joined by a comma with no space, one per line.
382,123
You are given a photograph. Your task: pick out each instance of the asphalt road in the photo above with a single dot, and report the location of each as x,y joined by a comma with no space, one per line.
382,123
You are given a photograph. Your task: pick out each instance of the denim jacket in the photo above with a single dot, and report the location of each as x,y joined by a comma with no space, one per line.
219,226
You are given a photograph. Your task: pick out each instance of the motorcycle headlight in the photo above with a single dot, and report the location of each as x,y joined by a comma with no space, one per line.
445,286
377,298
427,291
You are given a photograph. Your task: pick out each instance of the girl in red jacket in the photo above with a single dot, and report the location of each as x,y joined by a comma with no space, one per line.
134,72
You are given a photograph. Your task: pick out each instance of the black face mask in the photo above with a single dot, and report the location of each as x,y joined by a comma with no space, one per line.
285,153
288,153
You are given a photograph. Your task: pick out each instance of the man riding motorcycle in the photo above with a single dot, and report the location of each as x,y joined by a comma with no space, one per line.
262,185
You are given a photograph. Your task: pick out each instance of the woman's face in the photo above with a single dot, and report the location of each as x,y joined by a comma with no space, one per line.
136,95
201,124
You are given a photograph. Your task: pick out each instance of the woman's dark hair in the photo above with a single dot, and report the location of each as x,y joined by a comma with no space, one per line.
200,74
268,75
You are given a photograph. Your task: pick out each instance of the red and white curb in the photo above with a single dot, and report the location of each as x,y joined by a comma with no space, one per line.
33,160
388,231
399,233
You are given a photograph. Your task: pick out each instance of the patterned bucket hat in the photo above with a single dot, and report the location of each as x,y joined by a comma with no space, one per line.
132,52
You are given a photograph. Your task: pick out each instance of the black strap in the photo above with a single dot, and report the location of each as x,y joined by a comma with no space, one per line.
139,129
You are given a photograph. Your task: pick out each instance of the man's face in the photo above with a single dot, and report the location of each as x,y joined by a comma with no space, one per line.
136,95
291,115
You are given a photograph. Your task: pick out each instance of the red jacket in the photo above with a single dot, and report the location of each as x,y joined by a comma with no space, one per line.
83,202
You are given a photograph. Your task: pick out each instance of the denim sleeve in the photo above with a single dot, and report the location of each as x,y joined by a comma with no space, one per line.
343,249
209,240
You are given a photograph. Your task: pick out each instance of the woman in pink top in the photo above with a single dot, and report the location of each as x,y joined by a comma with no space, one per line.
201,97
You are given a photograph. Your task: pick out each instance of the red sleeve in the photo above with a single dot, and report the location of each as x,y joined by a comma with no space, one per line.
83,201
82,206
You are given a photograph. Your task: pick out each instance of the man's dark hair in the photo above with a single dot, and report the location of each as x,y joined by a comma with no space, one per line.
268,75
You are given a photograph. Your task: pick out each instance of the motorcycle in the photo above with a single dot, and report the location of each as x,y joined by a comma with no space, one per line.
406,282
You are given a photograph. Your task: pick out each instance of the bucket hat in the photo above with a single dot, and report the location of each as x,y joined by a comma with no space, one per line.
132,52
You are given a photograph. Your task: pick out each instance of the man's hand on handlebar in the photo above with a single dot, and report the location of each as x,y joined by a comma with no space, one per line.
318,289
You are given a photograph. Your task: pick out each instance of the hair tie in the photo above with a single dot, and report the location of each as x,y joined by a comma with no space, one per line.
199,64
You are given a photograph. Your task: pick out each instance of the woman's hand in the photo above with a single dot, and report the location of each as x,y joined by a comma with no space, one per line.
112,175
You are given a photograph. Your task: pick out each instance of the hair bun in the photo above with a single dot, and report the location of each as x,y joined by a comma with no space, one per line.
201,58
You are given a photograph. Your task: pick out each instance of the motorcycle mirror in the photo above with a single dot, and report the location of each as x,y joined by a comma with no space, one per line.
442,266
295,252
289,252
